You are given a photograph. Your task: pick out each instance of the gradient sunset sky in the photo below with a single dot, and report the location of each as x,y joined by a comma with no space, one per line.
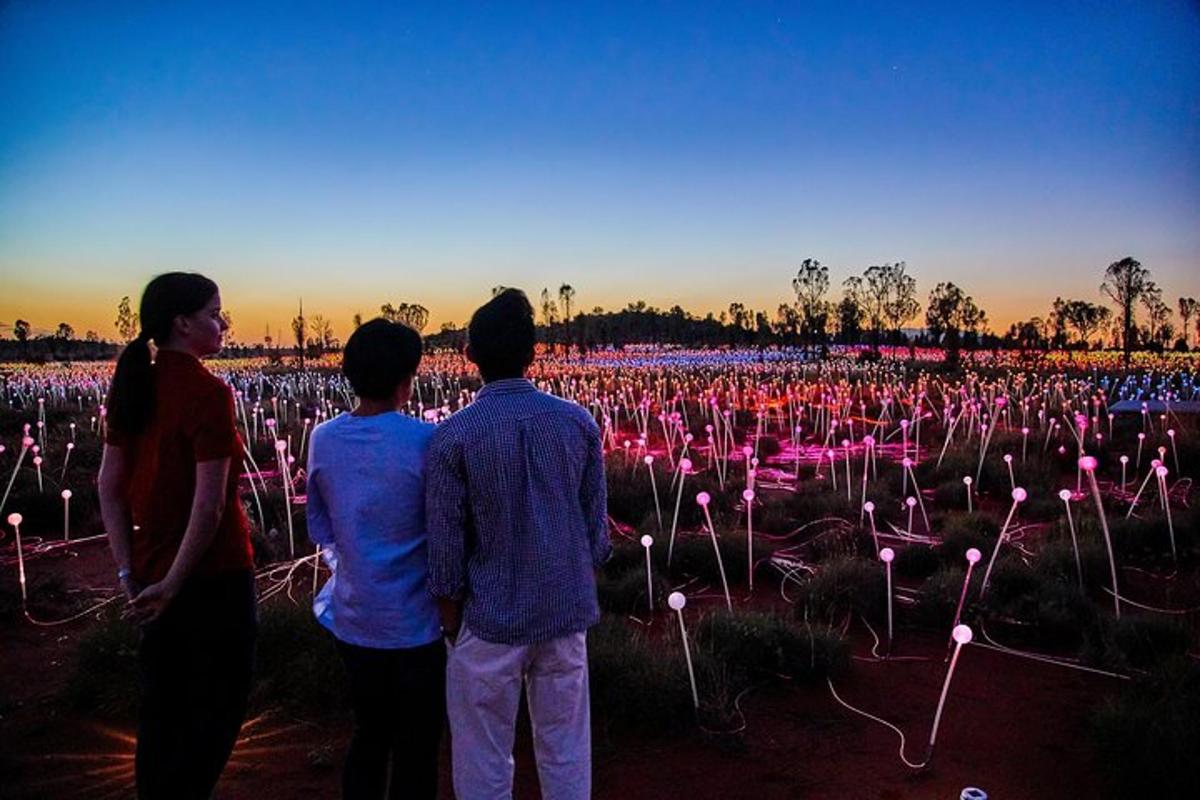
689,152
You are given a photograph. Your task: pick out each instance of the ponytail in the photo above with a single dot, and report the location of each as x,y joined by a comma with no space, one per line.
172,294
131,398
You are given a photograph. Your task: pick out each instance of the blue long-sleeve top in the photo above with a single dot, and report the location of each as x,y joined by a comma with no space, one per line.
517,512
366,499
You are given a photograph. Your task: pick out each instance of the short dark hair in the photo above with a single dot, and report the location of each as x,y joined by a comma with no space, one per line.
379,357
501,336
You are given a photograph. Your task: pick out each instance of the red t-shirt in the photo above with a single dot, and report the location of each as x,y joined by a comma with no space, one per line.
193,421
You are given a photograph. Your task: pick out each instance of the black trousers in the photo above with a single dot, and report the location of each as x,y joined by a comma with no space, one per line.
197,663
399,700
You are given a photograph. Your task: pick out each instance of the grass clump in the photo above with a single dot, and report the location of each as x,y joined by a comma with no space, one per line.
636,684
105,679
844,586
1146,740
757,645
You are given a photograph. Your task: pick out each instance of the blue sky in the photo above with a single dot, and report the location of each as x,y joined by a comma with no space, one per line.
354,153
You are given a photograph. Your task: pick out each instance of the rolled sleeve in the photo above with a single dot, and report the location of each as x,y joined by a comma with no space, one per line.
593,497
446,516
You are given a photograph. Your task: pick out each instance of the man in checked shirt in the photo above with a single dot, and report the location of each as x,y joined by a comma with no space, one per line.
518,524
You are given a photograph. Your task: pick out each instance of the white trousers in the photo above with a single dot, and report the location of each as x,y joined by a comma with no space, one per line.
483,689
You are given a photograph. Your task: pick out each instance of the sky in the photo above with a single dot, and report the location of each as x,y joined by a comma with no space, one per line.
688,153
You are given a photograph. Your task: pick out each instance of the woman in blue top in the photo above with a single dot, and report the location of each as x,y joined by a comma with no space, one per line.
366,490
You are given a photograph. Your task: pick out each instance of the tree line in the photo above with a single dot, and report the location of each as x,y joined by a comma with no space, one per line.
875,309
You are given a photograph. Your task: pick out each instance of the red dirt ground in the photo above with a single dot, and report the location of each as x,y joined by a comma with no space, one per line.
1013,727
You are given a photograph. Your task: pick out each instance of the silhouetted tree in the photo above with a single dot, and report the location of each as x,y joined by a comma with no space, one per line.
1125,282
1086,318
950,313
127,323
811,285
1188,308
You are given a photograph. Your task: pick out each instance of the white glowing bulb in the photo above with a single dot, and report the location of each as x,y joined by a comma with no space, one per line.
647,540
886,555
1064,495
676,601
1019,495
962,634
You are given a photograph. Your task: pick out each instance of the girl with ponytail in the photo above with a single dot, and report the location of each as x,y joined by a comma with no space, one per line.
181,541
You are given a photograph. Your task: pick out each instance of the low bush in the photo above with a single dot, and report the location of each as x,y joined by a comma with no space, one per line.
844,586
1146,740
916,562
625,592
635,683
298,666
105,677
757,645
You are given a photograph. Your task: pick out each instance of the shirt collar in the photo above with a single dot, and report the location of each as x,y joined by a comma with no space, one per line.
506,386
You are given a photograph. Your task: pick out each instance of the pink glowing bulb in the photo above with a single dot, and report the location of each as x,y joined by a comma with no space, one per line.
1001,402
280,446
911,502
886,555
37,461
1007,458
962,634
1088,463
747,451
869,441
1124,459
648,460
66,494
904,423
15,519
703,498
748,495
1019,495
869,507
27,441
1160,472
1171,432
906,462
685,465
1064,495
968,480
677,601
973,555
647,540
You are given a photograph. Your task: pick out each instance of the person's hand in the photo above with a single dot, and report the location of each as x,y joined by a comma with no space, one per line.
130,587
151,602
